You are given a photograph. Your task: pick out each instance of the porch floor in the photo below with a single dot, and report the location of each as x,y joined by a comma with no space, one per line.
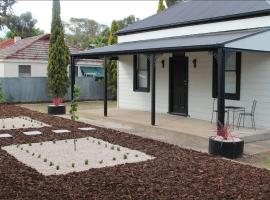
174,123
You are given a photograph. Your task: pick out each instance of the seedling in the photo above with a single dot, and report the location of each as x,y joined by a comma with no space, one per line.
13,126
51,163
101,161
86,162
99,142
114,159
27,151
39,156
106,145
45,160
41,144
118,148
54,141
87,138
93,141
125,156
30,144
65,141
136,156
23,125
73,165
17,146
57,167
33,154
22,148
112,148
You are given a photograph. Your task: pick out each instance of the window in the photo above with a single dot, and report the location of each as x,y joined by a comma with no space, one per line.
141,73
232,75
24,70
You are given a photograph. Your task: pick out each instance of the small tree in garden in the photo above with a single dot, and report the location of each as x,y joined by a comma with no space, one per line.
74,108
58,57
2,97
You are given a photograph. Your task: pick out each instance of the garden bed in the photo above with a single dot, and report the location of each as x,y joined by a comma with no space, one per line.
175,173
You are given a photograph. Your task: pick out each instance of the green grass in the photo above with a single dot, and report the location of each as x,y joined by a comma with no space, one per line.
265,163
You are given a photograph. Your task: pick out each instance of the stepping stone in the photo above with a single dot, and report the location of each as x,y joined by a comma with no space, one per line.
61,131
30,133
5,135
87,129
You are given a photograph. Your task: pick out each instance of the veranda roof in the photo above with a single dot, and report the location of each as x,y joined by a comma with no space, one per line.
189,42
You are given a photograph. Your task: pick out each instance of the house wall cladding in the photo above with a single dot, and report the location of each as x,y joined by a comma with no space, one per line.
34,89
255,84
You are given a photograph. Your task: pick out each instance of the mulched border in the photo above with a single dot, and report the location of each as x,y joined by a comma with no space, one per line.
176,173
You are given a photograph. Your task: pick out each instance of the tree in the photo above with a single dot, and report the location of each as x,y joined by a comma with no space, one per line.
2,97
126,21
170,3
112,65
5,9
82,31
23,26
161,6
58,56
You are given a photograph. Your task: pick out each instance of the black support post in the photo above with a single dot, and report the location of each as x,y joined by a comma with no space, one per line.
221,86
72,75
105,87
153,89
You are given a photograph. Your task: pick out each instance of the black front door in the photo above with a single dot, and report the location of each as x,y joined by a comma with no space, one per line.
179,85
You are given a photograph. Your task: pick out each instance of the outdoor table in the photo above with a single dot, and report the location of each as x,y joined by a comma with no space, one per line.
233,109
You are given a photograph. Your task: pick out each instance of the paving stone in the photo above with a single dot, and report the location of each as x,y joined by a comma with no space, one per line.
31,133
87,129
5,135
61,131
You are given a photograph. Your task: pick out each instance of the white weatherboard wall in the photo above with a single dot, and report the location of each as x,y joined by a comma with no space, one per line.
254,22
1,69
255,84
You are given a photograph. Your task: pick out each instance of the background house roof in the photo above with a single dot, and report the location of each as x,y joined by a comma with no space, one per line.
32,48
6,43
199,11
208,40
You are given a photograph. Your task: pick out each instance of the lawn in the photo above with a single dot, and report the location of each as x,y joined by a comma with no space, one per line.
164,172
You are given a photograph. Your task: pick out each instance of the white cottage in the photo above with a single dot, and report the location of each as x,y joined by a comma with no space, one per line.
182,60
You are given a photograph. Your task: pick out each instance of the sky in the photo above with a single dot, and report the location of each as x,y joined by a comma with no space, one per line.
101,11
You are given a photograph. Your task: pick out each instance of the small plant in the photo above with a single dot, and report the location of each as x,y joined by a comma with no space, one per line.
66,141
73,165
57,167
114,159
118,149
27,151
41,144
22,148
45,160
101,161
33,154
87,138
99,142
125,157
2,97
54,141
74,107
93,141
39,156
106,145
112,147
136,155
13,126
224,131
30,144
23,125
51,164
17,146
86,162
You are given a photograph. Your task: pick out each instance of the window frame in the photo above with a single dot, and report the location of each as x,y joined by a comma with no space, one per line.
229,96
135,75
19,66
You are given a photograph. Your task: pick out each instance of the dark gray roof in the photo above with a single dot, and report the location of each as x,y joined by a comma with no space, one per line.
199,11
208,40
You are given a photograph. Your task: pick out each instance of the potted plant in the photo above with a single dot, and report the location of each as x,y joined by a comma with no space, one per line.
225,144
57,63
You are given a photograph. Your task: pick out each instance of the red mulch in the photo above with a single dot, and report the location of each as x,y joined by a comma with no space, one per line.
176,173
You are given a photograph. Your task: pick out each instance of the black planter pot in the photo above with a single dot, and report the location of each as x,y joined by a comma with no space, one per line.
56,110
230,150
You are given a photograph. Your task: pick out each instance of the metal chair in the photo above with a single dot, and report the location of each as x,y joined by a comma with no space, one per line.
216,111
251,114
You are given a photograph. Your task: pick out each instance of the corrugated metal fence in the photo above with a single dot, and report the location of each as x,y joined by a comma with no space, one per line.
34,89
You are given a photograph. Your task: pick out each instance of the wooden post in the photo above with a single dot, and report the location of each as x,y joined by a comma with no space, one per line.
105,88
72,75
221,86
153,90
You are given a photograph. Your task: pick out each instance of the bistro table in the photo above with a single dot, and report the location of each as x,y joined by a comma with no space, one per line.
233,109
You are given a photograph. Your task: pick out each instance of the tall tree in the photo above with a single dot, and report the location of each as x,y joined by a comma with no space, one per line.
58,56
23,25
81,31
5,8
170,3
161,6
112,65
126,21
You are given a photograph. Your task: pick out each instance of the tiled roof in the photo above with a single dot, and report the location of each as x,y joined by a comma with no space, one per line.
32,48
6,43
